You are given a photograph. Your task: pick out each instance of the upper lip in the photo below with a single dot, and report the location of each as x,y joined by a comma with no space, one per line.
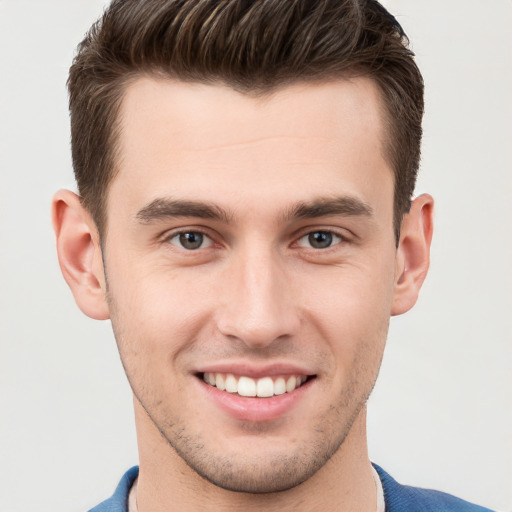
254,370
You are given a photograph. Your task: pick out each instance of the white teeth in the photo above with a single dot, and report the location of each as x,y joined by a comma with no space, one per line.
220,382
249,387
265,387
246,386
231,384
291,383
279,386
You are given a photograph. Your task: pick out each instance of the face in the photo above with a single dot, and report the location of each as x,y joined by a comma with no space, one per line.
250,246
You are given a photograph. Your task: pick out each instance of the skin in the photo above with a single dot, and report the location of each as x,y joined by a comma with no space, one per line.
256,293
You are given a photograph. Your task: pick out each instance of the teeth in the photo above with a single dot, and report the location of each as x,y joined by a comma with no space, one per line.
247,386
220,382
280,386
231,384
291,383
265,387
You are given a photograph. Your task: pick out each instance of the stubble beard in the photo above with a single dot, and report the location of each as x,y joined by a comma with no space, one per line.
271,472
259,475
278,472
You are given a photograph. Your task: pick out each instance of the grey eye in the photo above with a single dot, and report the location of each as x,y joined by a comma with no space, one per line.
320,239
191,240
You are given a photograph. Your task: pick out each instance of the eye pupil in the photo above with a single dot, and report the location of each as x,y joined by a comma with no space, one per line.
191,240
320,239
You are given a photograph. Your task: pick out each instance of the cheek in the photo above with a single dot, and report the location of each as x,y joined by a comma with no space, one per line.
350,307
155,311
351,292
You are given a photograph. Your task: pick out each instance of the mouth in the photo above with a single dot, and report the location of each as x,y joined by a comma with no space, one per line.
263,387
255,395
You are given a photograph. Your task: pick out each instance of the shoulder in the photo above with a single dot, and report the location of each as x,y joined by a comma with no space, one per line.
398,498
404,498
118,502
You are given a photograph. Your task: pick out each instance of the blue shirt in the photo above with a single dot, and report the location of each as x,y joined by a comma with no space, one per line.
398,498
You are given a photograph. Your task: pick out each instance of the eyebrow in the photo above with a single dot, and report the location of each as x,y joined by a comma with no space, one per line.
164,208
343,205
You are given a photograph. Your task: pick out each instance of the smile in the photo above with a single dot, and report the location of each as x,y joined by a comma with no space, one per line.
248,387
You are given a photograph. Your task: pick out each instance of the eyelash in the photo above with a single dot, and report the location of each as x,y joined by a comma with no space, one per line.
331,236
329,232
178,234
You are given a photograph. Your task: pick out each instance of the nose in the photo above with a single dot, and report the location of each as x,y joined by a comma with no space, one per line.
257,305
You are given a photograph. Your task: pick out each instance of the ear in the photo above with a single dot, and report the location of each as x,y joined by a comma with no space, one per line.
413,253
79,252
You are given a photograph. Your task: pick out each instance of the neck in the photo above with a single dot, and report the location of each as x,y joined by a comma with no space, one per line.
166,483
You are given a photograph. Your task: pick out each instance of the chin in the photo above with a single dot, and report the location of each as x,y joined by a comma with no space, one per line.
263,464
279,474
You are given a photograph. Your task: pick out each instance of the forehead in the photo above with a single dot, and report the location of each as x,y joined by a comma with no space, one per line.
206,142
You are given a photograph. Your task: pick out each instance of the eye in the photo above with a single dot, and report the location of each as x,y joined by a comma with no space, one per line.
191,240
320,239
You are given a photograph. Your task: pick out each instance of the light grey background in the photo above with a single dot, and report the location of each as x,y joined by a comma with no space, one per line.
441,414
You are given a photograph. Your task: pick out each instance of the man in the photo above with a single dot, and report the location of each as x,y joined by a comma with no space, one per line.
246,221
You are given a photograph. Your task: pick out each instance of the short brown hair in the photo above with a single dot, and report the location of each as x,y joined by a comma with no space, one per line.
253,46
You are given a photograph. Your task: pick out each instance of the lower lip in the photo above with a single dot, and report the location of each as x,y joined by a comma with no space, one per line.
256,409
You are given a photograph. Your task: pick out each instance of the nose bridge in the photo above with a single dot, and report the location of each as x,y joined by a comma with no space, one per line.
258,308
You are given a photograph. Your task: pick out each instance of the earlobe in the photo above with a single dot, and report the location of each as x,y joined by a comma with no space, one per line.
413,253
79,252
